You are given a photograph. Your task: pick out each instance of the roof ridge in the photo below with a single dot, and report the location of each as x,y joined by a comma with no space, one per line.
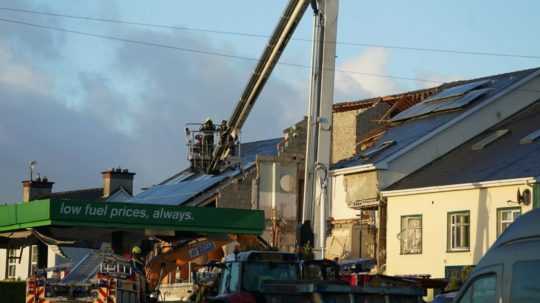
443,84
76,190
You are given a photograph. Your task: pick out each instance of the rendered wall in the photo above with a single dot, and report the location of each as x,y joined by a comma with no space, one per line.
434,208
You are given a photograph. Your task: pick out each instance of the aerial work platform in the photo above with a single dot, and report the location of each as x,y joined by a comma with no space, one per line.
88,224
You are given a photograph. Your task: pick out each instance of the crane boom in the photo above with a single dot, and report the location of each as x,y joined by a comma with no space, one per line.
282,33
319,126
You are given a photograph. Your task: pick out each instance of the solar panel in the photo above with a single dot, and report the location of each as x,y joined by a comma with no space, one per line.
416,110
372,151
463,101
457,90
451,98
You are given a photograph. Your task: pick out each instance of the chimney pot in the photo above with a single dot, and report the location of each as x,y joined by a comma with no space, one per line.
36,189
116,178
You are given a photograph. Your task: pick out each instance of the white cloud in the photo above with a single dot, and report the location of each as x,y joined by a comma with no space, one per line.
372,61
19,76
436,77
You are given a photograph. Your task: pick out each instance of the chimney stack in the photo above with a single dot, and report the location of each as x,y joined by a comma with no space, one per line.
35,189
115,178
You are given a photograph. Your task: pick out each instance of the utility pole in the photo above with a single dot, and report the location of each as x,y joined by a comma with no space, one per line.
319,128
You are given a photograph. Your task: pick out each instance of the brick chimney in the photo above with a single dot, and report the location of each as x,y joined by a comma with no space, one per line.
115,178
35,189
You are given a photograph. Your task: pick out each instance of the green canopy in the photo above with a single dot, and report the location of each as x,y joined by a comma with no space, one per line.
81,221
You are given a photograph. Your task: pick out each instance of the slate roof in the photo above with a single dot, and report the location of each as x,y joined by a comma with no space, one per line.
505,158
404,132
89,194
185,185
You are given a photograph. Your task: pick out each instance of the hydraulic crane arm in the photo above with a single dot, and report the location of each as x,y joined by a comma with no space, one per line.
282,33
167,262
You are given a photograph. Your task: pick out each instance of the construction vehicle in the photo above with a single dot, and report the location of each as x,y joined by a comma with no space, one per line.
276,277
245,276
104,277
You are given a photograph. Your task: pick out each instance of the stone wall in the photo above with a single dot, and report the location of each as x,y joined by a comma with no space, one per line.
344,134
237,193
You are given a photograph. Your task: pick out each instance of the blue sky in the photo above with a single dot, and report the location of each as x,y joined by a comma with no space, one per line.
127,104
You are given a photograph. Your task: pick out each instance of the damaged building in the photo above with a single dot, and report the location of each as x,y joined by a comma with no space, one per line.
405,142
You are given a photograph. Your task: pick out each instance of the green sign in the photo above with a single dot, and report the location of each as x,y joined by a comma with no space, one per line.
130,215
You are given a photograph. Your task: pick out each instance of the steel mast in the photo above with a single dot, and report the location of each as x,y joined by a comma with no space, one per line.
319,124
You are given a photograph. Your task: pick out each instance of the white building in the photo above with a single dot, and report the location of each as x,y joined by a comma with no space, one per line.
414,138
447,214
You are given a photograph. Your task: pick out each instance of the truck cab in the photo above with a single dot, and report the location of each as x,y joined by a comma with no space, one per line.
510,270
243,274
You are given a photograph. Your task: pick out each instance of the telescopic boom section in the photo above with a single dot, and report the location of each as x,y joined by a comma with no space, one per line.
282,33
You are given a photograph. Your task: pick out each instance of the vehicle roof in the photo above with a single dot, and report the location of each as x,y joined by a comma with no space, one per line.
273,256
526,227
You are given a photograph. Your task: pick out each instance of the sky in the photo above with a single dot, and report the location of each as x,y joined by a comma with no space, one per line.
79,105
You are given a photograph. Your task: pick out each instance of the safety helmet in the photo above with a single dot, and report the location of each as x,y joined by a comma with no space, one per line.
136,250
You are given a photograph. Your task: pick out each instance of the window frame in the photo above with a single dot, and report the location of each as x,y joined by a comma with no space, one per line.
33,263
11,262
449,233
499,217
402,231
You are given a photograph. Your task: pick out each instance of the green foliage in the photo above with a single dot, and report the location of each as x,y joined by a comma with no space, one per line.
13,292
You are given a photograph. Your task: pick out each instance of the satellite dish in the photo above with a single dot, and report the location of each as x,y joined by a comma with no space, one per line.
525,197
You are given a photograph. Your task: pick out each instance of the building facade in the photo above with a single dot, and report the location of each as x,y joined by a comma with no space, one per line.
446,215
411,139
437,231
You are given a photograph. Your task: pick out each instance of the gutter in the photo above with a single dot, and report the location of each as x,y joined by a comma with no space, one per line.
463,186
354,169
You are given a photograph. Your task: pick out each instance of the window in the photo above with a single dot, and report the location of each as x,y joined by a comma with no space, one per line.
525,282
481,290
411,234
12,255
34,253
459,231
489,139
505,217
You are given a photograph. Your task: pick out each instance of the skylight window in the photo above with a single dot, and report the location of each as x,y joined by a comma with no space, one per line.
489,139
530,138
373,151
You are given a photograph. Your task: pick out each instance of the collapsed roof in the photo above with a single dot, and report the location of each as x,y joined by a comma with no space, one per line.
452,100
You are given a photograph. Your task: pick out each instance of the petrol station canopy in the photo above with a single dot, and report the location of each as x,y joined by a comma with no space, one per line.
88,224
